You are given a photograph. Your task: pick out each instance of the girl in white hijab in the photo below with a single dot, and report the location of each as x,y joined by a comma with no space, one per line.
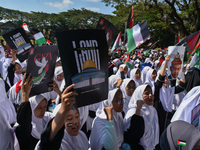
136,76
40,117
127,88
63,132
141,104
113,81
6,105
150,78
144,72
122,71
107,132
189,102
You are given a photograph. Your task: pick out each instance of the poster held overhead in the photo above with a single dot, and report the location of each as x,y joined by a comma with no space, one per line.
84,59
41,65
175,63
17,39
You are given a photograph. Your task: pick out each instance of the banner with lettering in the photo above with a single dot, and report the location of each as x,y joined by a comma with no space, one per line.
17,39
84,57
41,65
109,28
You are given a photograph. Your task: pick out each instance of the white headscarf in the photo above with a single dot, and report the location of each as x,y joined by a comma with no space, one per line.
18,76
149,80
99,124
38,124
191,100
144,72
58,70
125,96
6,105
112,80
118,72
151,134
132,76
2,52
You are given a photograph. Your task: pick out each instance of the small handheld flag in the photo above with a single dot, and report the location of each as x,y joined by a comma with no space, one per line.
181,143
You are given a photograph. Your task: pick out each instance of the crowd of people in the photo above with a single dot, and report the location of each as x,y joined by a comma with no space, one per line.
146,108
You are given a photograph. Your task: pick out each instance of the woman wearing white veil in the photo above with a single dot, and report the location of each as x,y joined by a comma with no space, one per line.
136,76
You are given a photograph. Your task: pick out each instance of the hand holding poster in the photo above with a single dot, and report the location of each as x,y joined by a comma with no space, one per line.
175,63
17,39
41,65
84,59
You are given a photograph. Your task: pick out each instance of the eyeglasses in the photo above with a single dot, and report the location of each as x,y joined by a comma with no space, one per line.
119,101
131,87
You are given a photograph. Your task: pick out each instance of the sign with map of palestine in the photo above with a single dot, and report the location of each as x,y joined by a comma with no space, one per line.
84,57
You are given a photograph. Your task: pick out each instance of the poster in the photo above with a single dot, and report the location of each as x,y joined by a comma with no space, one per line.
195,117
84,57
110,29
175,63
17,39
41,65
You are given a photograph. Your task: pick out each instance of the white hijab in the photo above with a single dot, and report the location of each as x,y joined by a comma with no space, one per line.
144,72
75,142
191,100
112,80
125,96
132,76
99,124
149,80
6,105
151,134
58,70
118,72
38,124
18,77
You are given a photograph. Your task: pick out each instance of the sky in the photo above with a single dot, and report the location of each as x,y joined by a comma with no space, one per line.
56,6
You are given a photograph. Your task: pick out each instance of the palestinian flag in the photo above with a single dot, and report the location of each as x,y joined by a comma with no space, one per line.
39,37
181,143
49,42
149,44
190,41
118,43
197,51
137,35
130,20
25,27
128,62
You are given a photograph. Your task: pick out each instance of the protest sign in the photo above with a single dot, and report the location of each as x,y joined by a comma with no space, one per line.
84,59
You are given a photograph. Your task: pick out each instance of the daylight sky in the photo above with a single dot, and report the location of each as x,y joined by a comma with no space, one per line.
56,6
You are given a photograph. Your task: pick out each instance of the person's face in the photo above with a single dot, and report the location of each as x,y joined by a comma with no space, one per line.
153,75
138,75
166,82
118,102
40,109
18,69
72,123
148,96
197,146
125,70
175,70
58,63
130,88
60,77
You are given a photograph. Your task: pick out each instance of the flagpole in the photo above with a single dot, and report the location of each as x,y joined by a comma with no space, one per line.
118,60
125,33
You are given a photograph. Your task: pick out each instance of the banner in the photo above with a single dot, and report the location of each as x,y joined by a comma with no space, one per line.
110,29
175,63
84,57
17,39
41,65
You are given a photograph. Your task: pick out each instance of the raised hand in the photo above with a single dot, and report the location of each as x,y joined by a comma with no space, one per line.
26,87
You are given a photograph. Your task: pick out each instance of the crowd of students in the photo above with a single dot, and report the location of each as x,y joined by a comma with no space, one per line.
145,110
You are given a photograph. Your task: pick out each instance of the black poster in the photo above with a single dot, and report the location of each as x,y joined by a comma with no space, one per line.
85,63
110,29
41,65
17,39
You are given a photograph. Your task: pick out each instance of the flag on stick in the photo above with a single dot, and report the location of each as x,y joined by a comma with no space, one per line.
39,37
130,20
128,62
117,44
137,35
